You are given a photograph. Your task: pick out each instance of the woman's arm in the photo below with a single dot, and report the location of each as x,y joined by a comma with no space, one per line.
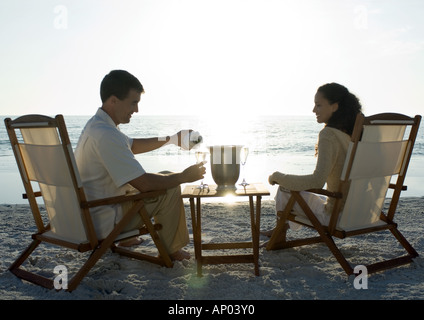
316,180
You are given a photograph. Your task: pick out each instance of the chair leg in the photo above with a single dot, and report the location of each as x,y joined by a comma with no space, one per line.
24,255
323,234
106,244
163,259
28,276
337,254
95,255
402,240
278,239
163,254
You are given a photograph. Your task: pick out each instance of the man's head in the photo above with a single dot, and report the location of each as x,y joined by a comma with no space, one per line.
120,93
118,83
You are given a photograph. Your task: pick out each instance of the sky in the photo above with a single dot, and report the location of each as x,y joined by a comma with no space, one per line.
211,57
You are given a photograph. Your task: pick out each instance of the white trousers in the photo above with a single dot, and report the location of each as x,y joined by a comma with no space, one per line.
315,201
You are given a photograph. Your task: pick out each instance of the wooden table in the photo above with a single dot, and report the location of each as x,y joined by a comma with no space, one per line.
252,190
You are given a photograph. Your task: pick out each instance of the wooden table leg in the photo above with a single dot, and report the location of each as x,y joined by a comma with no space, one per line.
197,232
255,216
255,225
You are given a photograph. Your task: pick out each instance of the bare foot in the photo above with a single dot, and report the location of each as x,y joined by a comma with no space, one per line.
263,245
180,255
135,241
267,233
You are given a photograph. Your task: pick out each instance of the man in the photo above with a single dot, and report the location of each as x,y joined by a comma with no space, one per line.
105,159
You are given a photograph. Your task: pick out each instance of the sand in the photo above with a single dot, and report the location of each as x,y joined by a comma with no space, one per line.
307,273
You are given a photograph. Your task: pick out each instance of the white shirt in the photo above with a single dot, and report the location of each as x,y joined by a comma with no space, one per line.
106,164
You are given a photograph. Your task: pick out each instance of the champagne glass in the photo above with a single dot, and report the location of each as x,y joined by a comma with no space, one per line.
243,158
200,157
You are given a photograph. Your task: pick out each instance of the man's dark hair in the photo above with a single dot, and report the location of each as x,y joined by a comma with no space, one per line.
118,83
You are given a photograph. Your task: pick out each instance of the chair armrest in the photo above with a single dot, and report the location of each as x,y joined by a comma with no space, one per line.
326,193
37,194
120,199
392,186
339,194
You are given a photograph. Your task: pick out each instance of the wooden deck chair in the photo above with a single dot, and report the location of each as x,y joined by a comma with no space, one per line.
44,155
377,159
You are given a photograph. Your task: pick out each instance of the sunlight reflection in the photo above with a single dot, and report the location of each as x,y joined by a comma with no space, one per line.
229,198
198,282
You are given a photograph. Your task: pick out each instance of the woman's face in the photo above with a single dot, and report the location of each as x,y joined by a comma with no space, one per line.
323,109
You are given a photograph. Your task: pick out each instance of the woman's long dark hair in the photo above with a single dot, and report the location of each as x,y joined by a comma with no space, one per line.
349,106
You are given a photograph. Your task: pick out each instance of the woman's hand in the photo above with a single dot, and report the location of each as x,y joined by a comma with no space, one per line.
271,180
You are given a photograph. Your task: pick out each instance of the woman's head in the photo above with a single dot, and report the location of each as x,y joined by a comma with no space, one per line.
336,107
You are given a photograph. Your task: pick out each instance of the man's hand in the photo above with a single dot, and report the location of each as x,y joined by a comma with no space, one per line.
186,139
157,181
195,172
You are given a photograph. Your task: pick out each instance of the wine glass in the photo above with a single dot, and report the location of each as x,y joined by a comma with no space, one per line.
200,157
243,158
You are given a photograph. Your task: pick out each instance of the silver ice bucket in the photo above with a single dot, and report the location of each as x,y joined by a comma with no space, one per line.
225,165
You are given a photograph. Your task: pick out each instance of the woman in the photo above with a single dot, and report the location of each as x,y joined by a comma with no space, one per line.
337,108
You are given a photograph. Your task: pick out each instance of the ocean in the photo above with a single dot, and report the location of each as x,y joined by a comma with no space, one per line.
283,143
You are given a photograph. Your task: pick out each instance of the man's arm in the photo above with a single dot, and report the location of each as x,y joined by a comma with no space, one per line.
157,181
148,144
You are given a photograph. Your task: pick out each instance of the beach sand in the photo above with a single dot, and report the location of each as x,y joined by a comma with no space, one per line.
306,273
